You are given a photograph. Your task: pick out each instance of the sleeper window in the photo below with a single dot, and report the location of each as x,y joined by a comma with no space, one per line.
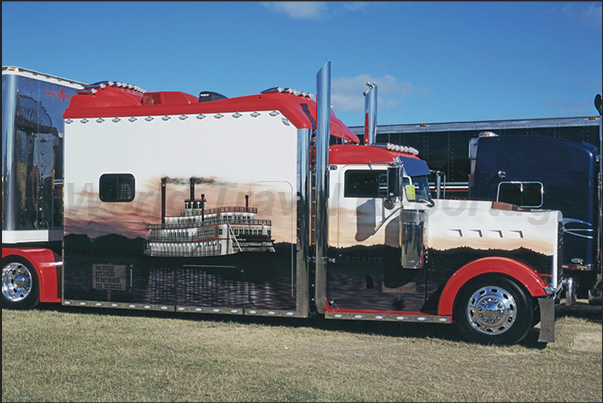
117,188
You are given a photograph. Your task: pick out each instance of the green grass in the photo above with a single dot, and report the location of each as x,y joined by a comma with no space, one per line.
61,354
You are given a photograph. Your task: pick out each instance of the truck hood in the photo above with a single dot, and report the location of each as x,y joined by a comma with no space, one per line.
486,225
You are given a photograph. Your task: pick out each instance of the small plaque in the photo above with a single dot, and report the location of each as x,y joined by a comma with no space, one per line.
108,277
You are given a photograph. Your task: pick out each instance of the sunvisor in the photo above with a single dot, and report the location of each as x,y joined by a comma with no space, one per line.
413,166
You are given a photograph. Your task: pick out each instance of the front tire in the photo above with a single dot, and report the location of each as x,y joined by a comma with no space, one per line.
494,310
20,287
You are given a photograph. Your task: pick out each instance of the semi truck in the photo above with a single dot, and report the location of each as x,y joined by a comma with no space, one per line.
542,172
557,161
268,205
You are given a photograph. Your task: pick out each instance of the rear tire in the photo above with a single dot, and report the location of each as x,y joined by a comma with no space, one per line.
494,310
20,286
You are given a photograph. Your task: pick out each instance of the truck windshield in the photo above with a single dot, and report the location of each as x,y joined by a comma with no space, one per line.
417,188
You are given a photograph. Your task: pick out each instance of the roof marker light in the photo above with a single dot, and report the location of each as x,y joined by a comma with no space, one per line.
289,91
402,149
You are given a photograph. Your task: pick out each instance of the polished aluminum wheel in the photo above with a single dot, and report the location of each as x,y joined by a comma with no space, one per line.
17,281
491,310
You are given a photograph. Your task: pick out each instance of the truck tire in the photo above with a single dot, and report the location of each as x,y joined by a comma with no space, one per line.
20,287
494,310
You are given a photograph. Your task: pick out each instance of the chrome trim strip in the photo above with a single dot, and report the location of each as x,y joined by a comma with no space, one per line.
36,75
119,305
210,309
390,318
141,306
271,312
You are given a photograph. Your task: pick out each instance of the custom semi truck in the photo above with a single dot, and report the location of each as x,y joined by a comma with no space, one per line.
552,163
268,205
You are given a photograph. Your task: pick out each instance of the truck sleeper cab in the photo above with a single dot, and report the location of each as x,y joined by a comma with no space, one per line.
148,172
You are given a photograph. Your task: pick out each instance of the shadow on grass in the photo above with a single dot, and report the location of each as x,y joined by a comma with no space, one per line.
581,309
391,329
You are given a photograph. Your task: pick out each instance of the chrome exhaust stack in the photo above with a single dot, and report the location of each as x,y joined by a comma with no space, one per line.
370,114
323,130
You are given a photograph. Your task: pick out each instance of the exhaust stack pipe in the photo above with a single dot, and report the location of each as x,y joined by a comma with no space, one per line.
323,130
370,114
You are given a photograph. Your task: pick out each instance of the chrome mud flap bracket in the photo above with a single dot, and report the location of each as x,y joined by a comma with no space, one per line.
547,320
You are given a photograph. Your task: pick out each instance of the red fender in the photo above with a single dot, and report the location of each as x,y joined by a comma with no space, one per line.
48,266
521,272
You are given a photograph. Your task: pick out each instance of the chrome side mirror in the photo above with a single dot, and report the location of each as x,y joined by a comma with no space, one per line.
394,186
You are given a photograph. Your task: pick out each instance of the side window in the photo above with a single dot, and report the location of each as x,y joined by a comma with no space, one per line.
522,194
117,188
364,183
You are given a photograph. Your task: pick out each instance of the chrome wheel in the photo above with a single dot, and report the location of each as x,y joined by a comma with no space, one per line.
491,310
17,282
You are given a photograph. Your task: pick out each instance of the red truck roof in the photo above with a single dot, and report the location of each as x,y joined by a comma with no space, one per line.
342,154
108,101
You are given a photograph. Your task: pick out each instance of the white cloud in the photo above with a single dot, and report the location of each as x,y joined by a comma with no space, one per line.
586,13
356,5
313,10
303,10
577,108
346,93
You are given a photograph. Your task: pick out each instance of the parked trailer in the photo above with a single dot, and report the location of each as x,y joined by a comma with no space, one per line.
444,145
268,205
33,104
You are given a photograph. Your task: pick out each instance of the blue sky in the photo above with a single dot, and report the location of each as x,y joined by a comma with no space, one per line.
432,61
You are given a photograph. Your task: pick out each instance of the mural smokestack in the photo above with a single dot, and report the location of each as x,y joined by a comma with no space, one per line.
163,184
192,187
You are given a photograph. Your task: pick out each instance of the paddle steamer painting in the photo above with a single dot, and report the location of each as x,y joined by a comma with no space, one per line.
200,232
